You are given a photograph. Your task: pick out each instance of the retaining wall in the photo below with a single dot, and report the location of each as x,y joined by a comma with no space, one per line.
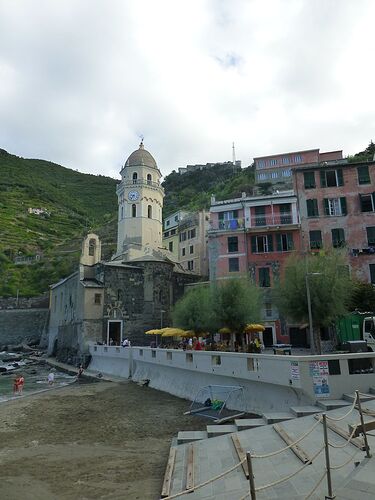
18,326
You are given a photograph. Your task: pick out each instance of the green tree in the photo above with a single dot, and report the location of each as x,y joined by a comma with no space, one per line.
236,303
330,289
194,311
366,155
363,298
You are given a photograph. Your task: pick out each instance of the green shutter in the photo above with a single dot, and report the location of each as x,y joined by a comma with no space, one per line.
253,244
343,206
278,243
340,177
290,241
326,206
270,242
323,181
315,204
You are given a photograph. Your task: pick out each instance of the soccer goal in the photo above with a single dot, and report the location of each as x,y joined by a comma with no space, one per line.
216,402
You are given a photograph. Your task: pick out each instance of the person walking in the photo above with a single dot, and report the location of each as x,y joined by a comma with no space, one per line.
21,383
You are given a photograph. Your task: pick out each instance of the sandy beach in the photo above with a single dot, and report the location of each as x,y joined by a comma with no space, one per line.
100,440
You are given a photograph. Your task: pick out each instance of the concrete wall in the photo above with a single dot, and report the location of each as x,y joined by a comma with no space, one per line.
18,326
269,382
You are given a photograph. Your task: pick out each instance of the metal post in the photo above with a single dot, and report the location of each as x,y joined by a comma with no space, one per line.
328,467
311,331
368,454
251,476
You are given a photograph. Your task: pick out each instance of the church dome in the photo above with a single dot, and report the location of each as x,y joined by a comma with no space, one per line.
141,158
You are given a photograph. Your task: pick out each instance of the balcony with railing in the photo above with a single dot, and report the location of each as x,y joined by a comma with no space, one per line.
138,182
269,220
227,225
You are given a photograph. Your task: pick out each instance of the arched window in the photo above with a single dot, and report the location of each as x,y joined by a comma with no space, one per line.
122,212
149,211
135,177
149,178
134,210
92,246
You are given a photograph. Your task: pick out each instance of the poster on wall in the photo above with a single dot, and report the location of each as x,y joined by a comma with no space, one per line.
319,373
294,370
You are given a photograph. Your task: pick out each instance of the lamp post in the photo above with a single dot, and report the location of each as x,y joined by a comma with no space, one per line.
161,318
308,296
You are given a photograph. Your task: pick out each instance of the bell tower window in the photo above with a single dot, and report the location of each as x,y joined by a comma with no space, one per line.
135,177
149,178
134,210
149,211
92,246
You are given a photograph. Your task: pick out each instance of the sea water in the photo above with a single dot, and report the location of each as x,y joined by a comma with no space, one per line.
35,375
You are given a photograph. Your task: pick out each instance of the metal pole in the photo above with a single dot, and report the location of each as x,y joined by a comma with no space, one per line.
251,476
328,467
368,454
311,331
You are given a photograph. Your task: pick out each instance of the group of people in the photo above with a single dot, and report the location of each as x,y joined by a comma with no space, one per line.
18,384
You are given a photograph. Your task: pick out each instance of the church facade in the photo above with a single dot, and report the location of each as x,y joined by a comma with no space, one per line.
134,291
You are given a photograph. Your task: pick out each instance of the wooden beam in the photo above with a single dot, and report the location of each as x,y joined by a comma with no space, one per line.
240,453
190,467
297,450
369,426
358,442
165,492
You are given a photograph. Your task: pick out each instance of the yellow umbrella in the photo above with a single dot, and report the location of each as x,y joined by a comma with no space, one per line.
188,334
253,327
171,332
154,332
224,330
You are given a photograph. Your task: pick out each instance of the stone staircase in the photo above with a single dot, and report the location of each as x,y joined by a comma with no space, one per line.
269,418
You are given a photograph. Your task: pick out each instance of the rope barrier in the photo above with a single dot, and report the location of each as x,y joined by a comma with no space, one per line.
222,474
336,419
317,484
286,478
335,467
273,453
346,442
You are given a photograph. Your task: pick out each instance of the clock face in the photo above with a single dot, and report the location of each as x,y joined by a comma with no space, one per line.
133,195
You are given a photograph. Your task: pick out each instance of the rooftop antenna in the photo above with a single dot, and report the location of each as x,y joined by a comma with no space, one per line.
234,158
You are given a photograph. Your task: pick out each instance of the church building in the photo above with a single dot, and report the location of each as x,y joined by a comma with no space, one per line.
134,291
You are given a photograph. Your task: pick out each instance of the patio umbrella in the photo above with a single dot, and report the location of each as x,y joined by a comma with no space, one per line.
254,327
172,332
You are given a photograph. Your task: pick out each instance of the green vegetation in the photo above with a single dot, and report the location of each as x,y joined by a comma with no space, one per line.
73,204
366,155
330,288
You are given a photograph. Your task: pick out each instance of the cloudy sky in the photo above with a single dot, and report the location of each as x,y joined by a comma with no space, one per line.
82,80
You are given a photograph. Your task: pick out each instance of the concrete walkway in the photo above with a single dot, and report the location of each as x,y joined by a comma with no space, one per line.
214,455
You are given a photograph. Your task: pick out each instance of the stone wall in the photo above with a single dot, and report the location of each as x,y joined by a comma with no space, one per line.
40,302
22,326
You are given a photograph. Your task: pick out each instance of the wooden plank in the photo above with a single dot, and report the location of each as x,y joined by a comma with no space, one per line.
190,467
358,442
227,419
369,426
297,450
197,410
240,453
165,492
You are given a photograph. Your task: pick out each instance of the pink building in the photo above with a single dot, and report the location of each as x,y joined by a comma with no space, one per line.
337,209
253,236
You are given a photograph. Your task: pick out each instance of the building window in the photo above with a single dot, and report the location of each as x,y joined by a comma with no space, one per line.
92,246
176,218
297,159
315,239
260,216
309,180
166,234
134,210
312,208
363,175
232,244
273,162
135,177
149,211
191,233
286,213
97,298
284,242
234,264
331,178
335,206
367,202
285,160
173,231
264,277
262,244
287,173
372,273
274,175
168,222
338,237
191,249
370,235
170,246
55,304
260,164
190,265
228,220
183,236
183,252
149,179
262,176
122,212
268,309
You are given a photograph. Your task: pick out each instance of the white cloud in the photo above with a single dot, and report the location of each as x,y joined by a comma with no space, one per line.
81,80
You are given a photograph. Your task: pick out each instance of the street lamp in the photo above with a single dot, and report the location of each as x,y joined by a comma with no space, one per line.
308,296
161,318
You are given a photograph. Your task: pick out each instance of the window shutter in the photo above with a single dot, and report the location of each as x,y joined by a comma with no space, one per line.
290,241
340,177
343,205
315,208
270,242
323,181
278,243
326,206
373,200
253,244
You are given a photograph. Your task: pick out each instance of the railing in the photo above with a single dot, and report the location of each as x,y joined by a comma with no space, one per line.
138,182
227,225
273,220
